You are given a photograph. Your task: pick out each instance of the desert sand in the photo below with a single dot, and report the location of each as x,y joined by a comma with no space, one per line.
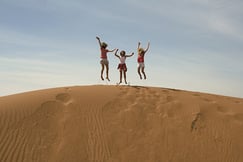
120,124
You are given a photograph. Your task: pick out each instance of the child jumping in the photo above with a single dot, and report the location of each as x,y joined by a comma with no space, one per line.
122,65
104,61
141,66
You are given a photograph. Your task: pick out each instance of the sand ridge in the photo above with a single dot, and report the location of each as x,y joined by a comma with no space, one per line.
120,123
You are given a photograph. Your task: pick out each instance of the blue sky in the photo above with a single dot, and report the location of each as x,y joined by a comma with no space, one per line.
196,45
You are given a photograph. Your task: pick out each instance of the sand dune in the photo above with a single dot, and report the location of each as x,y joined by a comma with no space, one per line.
120,124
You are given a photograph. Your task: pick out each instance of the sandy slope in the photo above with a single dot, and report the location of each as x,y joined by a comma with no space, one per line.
120,124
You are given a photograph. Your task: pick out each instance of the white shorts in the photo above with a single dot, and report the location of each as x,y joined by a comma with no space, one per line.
104,62
141,65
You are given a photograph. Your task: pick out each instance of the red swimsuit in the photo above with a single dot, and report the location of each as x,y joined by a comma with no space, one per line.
140,58
103,54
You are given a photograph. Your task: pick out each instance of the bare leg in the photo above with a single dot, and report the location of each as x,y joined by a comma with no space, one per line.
139,73
125,77
102,70
120,77
107,72
143,73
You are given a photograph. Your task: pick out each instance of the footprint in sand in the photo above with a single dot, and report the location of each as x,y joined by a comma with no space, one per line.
48,109
195,94
169,99
238,117
195,121
65,98
207,100
238,102
67,88
154,94
222,109
165,91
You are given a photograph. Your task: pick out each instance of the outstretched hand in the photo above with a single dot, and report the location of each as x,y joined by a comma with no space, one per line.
98,38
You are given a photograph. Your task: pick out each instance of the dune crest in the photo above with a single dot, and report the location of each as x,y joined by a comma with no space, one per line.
120,123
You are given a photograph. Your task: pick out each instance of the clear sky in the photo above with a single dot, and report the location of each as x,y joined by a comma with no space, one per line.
196,45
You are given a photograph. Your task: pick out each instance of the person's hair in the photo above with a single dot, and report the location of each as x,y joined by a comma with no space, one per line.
141,50
122,53
103,45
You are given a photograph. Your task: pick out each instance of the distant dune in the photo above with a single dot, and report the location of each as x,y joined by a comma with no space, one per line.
120,124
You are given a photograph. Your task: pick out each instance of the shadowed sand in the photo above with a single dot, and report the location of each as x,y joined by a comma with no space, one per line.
120,124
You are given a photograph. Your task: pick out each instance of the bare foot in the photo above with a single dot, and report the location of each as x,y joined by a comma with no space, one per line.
107,78
125,81
102,78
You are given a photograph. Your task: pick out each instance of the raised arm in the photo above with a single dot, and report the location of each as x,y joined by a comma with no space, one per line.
130,55
116,53
99,41
112,50
139,45
147,47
